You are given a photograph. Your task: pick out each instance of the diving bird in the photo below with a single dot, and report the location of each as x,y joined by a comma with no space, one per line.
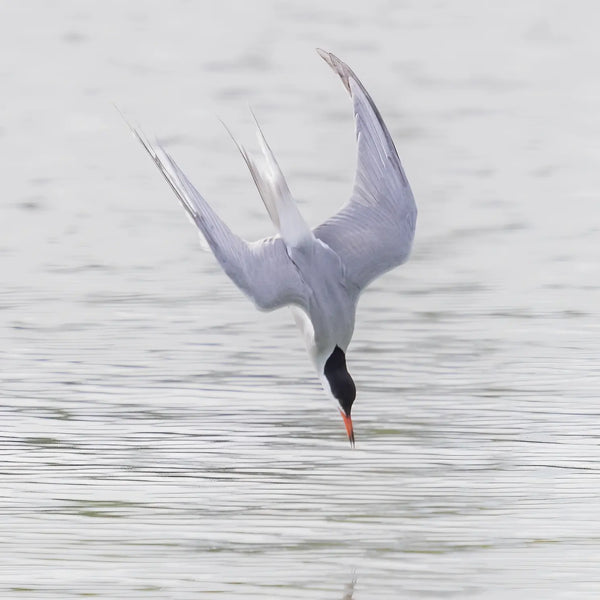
321,272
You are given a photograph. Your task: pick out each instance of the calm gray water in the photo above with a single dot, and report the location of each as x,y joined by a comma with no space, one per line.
162,439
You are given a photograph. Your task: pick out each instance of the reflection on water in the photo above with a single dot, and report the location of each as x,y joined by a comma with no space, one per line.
349,591
163,439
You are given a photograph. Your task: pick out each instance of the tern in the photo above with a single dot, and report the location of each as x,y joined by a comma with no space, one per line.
321,272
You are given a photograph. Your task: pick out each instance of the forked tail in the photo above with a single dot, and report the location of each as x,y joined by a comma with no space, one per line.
275,193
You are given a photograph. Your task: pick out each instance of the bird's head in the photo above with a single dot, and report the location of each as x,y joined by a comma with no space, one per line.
338,382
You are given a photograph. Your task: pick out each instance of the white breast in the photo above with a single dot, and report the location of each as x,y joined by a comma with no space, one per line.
306,328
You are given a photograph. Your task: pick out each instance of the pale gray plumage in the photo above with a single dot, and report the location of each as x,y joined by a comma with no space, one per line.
319,273
262,270
374,231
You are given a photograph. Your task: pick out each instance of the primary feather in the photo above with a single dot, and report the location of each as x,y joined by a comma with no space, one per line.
373,232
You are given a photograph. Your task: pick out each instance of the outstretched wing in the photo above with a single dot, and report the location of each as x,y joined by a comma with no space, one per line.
262,270
373,232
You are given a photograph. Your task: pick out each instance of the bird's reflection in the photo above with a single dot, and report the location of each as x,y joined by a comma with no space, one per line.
349,589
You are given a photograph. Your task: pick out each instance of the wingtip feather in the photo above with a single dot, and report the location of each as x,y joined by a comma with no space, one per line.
339,66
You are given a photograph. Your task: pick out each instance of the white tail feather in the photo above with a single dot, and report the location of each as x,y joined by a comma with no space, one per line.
275,193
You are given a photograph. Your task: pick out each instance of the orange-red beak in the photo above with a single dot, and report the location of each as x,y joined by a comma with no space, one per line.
349,429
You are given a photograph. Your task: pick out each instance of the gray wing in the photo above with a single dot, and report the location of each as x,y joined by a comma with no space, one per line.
262,270
373,232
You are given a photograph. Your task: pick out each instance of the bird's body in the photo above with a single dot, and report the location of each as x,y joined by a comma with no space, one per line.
319,273
331,303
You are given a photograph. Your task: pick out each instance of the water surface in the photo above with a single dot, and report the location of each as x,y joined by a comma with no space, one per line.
162,439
